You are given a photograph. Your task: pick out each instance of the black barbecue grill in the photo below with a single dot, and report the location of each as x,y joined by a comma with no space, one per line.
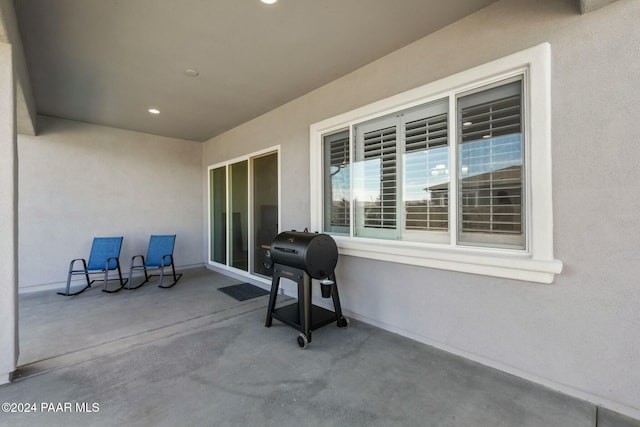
301,257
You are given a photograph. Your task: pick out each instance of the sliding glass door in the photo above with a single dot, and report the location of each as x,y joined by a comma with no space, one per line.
265,208
243,220
218,220
239,221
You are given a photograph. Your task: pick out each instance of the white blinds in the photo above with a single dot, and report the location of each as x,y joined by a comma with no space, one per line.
337,194
379,147
426,134
401,184
491,166
426,176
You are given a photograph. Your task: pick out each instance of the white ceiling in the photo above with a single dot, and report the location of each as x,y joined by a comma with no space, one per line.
108,61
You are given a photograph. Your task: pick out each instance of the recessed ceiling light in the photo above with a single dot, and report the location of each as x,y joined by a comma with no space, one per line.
268,1
191,72
153,111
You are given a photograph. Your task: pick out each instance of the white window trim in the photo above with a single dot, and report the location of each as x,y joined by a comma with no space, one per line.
536,263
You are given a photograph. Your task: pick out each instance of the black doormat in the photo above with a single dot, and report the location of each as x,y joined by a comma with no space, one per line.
243,291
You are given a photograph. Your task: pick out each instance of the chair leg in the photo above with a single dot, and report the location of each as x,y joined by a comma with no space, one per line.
119,278
122,282
132,267
176,277
106,281
68,292
130,279
146,279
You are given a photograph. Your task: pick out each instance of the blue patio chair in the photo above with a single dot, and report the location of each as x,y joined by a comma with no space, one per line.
104,257
159,257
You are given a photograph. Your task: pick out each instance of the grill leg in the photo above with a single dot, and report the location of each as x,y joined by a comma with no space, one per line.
275,284
335,297
341,321
304,305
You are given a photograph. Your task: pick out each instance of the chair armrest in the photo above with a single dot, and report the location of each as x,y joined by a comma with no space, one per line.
84,264
133,259
170,260
106,264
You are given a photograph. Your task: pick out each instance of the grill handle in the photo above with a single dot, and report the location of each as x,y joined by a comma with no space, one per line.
287,250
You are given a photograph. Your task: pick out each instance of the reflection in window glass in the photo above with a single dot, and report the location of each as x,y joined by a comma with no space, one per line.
265,208
401,180
239,219
426,171
490,167
375,182
336,183
244,212
218,198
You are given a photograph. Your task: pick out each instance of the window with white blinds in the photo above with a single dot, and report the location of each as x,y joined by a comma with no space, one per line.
455,174
337,182
376,180
402,172
426,170
379,151
490,172
401,183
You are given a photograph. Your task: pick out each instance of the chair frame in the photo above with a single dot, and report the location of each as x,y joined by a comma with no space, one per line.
86,272
166,261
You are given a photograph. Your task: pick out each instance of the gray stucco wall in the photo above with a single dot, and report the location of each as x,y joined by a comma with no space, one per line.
8,216
579,334
79,181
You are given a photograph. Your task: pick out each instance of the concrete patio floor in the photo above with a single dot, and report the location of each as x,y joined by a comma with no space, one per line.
192,356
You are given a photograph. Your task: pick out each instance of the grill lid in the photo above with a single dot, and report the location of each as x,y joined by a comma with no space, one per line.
315,253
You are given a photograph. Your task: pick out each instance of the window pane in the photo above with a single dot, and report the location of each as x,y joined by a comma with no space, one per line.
426,169
265,208
239,220
375,180
490,167
336,183
218,220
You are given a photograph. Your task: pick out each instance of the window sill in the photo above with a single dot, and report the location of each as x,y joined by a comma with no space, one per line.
487,262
